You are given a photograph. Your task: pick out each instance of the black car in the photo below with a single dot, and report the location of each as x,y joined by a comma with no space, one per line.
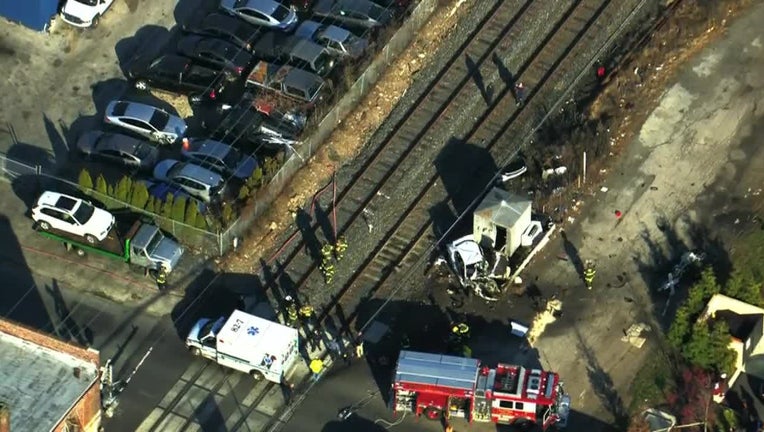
295,51
223,26
178,74
251,130
216,53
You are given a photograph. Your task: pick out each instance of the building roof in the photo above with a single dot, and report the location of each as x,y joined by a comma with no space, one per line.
437,369
741,325
40,385
502,208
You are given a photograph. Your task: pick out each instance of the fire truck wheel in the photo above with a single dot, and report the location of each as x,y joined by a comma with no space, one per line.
432,413
256,375
195,352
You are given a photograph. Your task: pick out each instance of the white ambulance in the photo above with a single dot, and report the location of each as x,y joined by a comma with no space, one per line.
261,348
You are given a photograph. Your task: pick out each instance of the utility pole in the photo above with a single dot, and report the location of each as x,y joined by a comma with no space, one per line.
110,389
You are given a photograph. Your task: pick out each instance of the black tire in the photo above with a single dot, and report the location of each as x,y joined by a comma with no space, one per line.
80,253
257,375
91,239
95,21
43,225
196,352
432,413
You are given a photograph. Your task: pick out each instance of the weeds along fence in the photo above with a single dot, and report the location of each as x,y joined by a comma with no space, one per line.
352,98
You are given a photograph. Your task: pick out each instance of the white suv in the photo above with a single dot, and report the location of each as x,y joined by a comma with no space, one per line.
72,215
84,13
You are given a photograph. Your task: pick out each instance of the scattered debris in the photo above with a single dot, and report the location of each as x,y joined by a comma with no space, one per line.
603,189
551,313
633,334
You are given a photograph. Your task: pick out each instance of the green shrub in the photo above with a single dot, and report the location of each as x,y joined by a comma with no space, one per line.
85,180
228,215
179,209
192,214
166,206
139,196
243,193
101,185
256,179
123,189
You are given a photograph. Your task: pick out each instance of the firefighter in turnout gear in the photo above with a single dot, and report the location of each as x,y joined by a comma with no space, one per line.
327,267
589,273
307,313
340,247
291,311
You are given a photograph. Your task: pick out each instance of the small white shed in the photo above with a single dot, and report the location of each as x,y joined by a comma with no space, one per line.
500,219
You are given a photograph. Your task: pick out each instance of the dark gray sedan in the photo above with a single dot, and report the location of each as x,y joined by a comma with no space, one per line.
117,148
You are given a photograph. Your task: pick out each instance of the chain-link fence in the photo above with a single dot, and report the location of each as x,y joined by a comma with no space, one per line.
349,101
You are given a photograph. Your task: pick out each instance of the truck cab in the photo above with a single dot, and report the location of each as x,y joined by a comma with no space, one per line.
247,343
151,249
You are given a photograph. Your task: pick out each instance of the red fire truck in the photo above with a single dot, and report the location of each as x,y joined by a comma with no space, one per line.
441,385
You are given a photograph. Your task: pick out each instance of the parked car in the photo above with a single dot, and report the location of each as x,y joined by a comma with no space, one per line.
223,26
151,122
196,180
294,51
178,74
162,191
118,148
248,129
288,81
84,13
220,157
363,13
266,13
66,213
216,53
337,40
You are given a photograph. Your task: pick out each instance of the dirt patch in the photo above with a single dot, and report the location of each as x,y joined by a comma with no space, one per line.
350,137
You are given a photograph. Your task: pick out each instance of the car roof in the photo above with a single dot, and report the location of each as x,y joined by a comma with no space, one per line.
133,109
265,6
208,147
306,49
335,33
172,62
113,141
199,173
301,79
58,200
307,29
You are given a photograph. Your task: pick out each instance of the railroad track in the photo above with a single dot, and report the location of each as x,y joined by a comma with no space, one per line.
404,239
255,391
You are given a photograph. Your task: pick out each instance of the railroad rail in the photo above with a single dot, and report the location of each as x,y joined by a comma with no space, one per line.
403,238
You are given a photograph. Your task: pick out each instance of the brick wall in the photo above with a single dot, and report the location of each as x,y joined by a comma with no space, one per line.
87,411
5,418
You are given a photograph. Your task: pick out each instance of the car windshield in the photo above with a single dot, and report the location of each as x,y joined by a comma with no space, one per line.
314,88
142,150
322,63
159,120
154,242
205,330
88,2
232,158
84,212
281,13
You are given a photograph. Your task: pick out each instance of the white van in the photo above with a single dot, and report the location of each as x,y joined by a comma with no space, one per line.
261,348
